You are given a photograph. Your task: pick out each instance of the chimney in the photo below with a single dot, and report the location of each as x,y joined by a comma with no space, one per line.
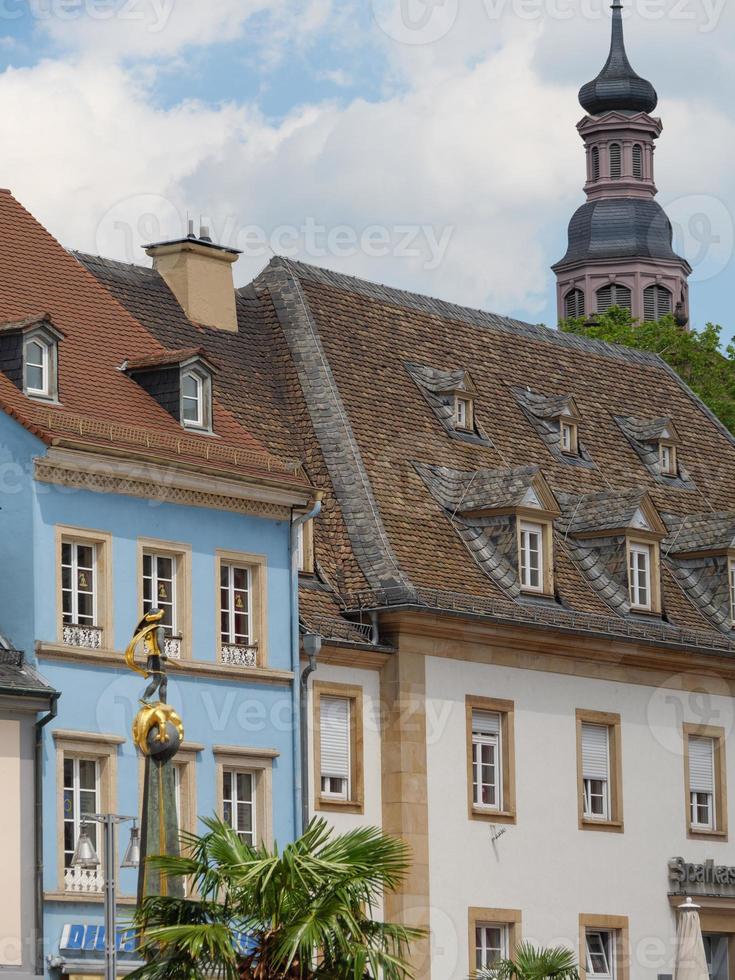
199,274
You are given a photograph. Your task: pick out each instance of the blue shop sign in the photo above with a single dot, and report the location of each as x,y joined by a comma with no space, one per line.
77,937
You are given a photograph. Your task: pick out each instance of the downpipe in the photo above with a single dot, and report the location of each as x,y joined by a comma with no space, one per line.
38,830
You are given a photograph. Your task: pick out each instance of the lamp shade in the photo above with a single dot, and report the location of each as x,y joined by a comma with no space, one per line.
132,852
85,855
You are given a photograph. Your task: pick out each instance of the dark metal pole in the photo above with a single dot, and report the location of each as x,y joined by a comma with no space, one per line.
109,827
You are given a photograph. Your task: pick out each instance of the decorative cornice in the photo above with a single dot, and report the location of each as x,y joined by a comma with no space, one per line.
65,735
192,668
245,751
174,487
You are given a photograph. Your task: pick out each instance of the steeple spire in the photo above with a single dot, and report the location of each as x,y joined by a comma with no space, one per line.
617,87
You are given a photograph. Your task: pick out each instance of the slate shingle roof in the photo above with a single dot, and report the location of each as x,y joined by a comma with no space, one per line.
17,677
319,367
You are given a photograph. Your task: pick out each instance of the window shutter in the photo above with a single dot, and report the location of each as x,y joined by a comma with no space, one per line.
649,303
595,163
664,301
574,304
595,751
334,720
604,299
615,161
701,764
486,722
637,161
622,297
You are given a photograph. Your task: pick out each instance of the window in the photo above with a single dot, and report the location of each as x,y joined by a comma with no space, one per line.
490,759
494,934
600,954
616,161
334,735
574,304
569,442
705,774
595,157
159,588
599,770
238,803
245,790
78,583
235,617
613,295
731,577
36,357
532,558
196,399
639,575
305,546
638,161
657,302
667,459
81,796
603,947
596,771
487,781
463,413
338,747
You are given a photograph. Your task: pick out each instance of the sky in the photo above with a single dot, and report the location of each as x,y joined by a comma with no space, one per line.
426,144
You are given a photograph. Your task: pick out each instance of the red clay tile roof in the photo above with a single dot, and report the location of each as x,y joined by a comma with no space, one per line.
99,404
328,354
168,358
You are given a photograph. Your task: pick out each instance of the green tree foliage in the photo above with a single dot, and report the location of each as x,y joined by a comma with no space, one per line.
531,963
696,355
307,911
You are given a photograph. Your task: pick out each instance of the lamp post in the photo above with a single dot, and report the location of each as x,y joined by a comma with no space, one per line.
86,857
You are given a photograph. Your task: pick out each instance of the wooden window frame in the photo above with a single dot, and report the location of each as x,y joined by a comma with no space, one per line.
181,553
204,379
617,924
49,365
615,823
573,436
85,745
258,566
731,587
102,541
672,469
547,554
511,919
354,694
633,541
469,423
306,535
259,762
717,734
506,710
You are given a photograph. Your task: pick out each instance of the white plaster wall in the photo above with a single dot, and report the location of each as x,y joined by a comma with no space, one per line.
369,681
11,939
544,865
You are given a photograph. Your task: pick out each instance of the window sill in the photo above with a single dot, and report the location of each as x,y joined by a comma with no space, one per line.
340,806
608,826
693,833
81,898
492,816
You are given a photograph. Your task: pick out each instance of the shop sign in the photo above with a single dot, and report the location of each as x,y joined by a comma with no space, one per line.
77,937
701,878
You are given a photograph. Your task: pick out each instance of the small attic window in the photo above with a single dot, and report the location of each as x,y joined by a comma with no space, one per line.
463,413
667,459
40,365
196,399
568,437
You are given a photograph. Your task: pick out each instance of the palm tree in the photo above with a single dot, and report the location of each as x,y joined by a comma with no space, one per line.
531,963
302,914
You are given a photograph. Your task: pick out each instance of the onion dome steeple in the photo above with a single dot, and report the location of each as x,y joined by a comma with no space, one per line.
617,87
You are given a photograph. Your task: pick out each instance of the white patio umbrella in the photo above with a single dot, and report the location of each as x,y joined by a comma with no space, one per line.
691,962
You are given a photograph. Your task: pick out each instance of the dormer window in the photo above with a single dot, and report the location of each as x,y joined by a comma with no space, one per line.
731,581
40,364
463,413
534,557
643,576
568,440
667,458
196,408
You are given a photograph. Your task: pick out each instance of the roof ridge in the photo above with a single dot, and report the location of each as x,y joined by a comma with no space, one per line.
83,257
454,311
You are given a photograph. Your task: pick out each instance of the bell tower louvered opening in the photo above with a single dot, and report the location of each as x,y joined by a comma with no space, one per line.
574,304
613,295
657,302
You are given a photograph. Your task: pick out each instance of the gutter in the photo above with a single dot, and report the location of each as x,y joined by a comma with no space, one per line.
300,800
38,829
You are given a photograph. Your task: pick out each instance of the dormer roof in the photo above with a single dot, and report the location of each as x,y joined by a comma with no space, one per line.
610,511
489,490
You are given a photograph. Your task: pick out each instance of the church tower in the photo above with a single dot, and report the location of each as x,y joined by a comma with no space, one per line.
619,251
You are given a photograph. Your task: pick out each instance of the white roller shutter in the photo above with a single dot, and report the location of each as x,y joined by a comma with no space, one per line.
334,721
595,751
486,722
701,764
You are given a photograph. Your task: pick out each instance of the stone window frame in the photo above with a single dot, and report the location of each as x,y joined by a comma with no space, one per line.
258,565
506,710
306,548
181,552
354,694
102,541
652,542
258,762
530,516
510,919
616,924
84,745
718,735
612,721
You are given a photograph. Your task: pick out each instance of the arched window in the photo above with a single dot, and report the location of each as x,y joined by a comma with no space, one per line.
656,302
613,295
196,399
616,161
39,365
595,156
638,161
574,304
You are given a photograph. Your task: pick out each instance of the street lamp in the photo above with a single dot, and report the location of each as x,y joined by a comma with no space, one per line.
86,857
